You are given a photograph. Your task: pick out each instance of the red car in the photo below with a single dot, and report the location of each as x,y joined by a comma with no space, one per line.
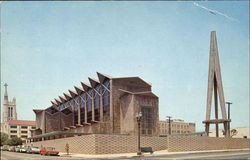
50,151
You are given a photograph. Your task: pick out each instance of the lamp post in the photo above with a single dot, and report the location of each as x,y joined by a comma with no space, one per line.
169,124
138,118
228,104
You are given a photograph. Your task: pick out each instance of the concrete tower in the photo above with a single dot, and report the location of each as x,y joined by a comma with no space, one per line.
215,85
9,107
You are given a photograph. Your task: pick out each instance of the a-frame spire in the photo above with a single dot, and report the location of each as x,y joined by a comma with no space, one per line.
215,84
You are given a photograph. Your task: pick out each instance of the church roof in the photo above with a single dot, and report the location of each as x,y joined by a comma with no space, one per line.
22,122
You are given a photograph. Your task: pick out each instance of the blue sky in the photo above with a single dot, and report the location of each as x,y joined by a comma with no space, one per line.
49,47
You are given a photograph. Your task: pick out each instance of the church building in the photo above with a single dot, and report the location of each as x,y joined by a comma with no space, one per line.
104,106
10,124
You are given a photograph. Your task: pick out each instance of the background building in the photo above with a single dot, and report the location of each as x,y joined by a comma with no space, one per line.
177,127
108,105
10,125
18,128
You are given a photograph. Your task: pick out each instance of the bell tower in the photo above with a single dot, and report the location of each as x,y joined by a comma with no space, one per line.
215,88
9,107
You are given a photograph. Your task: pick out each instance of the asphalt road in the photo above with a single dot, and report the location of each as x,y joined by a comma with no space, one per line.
210,155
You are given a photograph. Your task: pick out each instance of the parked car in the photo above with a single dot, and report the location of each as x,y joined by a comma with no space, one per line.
17,149
5,148
23,149
49,151
12,149
33,150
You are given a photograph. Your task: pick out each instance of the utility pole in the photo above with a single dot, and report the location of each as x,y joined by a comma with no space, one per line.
169,124
228,104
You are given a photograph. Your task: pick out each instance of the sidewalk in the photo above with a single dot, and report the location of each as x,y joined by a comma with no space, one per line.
156,153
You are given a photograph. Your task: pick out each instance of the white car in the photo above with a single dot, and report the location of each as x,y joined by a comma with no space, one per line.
33,150
23,150
17,149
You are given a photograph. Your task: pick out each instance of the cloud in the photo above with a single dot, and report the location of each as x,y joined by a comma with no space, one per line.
216,12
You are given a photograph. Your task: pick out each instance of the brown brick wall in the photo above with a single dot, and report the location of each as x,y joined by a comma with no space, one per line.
52,122
40,120
198,143
127,115
103,144
127,144
136,86
66,120
79,144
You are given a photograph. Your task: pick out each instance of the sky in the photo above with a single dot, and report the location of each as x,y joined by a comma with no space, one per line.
49,47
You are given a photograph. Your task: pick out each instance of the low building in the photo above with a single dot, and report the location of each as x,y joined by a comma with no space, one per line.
177,127
108,105
18,128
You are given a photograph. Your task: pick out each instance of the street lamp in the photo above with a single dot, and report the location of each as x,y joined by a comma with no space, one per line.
228,104
169,124
138,118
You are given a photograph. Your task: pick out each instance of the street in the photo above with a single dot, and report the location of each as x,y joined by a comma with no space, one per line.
208,155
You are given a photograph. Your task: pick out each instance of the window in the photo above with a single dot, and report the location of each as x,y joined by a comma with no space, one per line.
13,126
33,127
12,131
106,98
89,106
74,103
12,136
24,136
82,107
97,97
147,119
51,110
24,131
24,127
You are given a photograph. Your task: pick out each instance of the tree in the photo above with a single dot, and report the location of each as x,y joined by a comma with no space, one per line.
4,138
233,132
15,141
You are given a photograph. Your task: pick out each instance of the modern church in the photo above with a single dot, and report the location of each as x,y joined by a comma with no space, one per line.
105,106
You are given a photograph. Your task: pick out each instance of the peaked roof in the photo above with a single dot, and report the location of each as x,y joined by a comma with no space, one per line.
63,99
78,90
53,102
93,82
67,96
102,76
72,93
132,81
58,101
85,86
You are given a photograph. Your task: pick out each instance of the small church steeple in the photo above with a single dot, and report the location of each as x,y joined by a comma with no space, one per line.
5,101
9,107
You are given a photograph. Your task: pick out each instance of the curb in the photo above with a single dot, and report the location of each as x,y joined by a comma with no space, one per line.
163,154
